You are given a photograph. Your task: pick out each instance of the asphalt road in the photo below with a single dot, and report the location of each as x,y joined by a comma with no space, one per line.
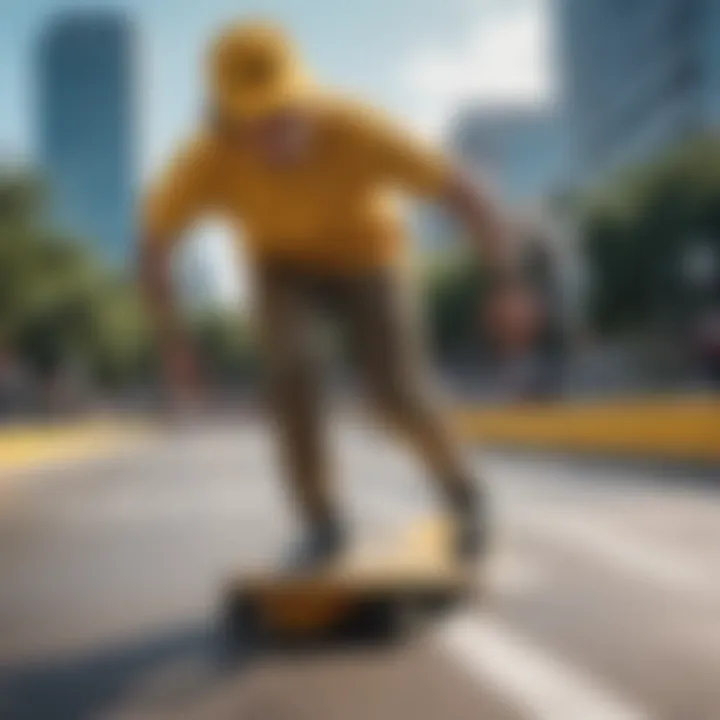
602,600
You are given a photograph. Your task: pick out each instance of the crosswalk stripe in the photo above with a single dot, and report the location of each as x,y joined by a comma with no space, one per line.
625,552
541,686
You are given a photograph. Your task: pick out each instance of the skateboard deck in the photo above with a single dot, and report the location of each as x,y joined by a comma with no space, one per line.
376,588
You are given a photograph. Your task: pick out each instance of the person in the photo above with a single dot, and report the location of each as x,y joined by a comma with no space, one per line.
310,176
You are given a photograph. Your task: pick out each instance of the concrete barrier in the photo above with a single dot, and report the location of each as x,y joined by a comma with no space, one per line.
683,428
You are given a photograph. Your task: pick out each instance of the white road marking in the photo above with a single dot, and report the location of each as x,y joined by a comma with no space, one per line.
657,564
540,685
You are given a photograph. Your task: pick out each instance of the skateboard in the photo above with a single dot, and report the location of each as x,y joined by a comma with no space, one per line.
379,589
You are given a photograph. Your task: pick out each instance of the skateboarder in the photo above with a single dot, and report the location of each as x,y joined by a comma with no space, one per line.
307,174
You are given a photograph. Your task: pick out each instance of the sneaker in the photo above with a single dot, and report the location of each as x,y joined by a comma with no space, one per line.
318,548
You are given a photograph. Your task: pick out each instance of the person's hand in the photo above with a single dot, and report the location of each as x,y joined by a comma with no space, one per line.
182,378
512,316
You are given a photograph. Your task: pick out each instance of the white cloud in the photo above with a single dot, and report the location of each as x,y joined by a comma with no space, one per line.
504,57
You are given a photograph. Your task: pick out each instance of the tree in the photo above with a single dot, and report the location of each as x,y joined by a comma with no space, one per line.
638,234
225,346
57,302
453,288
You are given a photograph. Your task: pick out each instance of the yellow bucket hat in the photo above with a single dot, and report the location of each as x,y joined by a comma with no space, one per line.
254,69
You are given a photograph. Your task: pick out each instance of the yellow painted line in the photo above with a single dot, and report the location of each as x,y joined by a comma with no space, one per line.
28,447
673,428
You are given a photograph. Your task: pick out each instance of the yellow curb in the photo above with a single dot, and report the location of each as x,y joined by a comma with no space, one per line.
27,447
685,428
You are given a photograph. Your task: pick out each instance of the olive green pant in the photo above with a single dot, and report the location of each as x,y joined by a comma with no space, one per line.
374,312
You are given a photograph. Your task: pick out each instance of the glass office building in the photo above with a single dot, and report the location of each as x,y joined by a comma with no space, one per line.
86,127
518,149
638,76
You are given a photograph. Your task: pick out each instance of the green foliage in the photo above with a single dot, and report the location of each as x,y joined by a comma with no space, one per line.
225,345
453,287
57,303
638,234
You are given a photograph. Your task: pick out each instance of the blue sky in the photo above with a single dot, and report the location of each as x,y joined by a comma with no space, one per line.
418,58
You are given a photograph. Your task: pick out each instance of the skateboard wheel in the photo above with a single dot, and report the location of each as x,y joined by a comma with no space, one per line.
244,631
386,618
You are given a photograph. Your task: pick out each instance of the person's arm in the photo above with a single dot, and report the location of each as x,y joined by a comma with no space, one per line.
181,194
488,226
509,309
425,172
178,363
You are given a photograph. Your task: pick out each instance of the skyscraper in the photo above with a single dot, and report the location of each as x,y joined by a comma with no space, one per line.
519,149
85,122
638,75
